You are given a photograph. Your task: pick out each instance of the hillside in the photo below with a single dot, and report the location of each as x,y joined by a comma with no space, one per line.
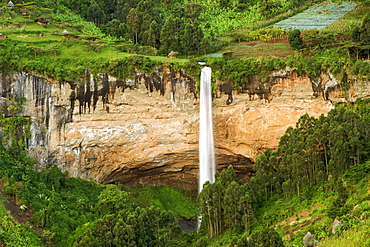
87,88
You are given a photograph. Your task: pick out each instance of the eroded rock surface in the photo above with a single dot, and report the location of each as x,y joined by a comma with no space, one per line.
144,131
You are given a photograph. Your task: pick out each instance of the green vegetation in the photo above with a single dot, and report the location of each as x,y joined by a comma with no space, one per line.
68,45
187,27
356,236
2,207
14,234
166,198
319,171
295,39
75,212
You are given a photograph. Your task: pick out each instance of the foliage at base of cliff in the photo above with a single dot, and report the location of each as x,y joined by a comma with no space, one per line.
76,212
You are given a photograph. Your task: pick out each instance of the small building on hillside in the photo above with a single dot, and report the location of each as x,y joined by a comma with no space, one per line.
2,36
24,12
43,21
10,4
172,54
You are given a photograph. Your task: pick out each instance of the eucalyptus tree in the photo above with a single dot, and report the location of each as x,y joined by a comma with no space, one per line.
170,36
361,37
133,24
295,39
191,38
95,14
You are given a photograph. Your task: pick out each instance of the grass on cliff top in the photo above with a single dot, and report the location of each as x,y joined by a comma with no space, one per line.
178,201
74,44
280,48
107,51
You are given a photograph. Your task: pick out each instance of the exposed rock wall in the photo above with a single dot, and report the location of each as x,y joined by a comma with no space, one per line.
144,130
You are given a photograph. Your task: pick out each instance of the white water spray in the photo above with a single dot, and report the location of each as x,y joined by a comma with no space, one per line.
207,167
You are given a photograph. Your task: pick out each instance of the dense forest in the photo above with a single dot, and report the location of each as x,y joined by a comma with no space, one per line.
322,165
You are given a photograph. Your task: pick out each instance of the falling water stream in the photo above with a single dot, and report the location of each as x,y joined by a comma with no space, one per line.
207,167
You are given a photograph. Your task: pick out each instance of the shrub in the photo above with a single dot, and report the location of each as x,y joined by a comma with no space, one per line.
295,39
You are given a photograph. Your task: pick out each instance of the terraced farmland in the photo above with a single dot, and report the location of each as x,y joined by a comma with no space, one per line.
317,17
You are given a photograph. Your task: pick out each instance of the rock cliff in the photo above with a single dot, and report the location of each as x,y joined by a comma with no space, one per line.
144,131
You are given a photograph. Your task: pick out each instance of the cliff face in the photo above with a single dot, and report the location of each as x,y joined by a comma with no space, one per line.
144,131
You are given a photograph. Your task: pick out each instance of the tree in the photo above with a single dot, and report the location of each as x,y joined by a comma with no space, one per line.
171,34
246,205
269,7
115,28
210,208
356,47
112,200
232,213
151,36
145,26
95,13
338,207
264,237
362,34
132,227
122,9
226,203
361,37
133,24
295,39
191,38
192,11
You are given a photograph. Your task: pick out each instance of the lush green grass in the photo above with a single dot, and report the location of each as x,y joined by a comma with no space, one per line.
168,60
107,50
258,49
166,198
221,20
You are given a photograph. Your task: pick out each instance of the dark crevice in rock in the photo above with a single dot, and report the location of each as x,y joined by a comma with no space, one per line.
84,93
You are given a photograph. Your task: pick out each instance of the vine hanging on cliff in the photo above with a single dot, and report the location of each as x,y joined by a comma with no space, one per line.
15,128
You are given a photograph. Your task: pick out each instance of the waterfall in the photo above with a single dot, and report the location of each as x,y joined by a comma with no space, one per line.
207,167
